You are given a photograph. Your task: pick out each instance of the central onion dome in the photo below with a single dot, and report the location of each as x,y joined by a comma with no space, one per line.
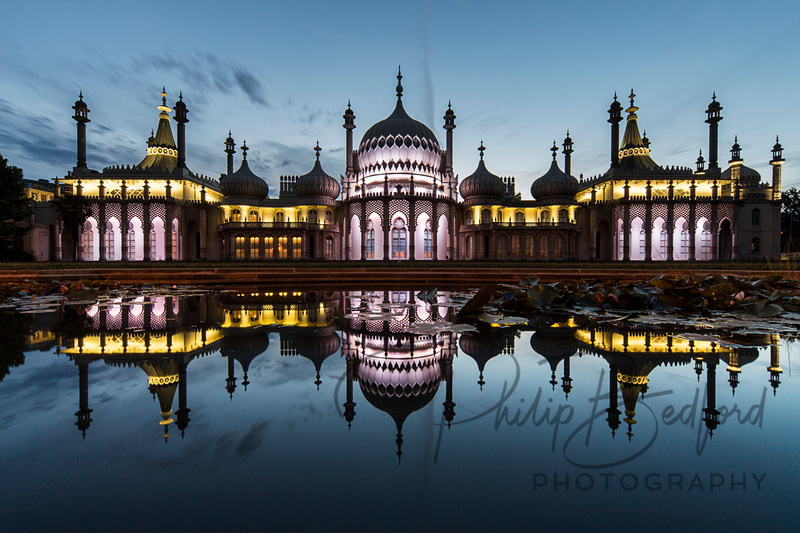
399,143
317,187
555,186
244,183
482,184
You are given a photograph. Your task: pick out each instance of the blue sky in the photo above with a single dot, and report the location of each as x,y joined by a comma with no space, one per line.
279,74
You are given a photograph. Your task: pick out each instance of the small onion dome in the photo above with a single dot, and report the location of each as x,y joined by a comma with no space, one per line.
243,182
555,185
748,177
317,186
482,183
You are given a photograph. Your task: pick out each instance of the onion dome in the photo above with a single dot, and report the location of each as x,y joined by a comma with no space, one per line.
748,177
317,187
481,347
555,186
244,183
399,142
556,344
399,386
735,361
318,347
634,154
163,377
162,153
482,184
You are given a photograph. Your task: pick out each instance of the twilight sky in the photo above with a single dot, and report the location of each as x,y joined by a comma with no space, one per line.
280,74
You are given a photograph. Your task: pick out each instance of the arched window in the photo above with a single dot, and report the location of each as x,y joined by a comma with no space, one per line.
312,216
175,243
297,247
544,247
109,240
399,239
469,251
370,240
87,243
756,217
558,246
470,218
283,247
279,217
501,247
152,242
515,246
236,215
239,245
642,239
563,215
519,217
328,217
253,216
428,241
269,242
255,253
662,244
685,241
486,216
755,245
544,216
530,247
705,242
131,244
328,247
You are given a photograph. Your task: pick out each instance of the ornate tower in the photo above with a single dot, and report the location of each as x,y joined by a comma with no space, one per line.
776,162
180,118
449,125
614,118
713,131
568,154
81,116
230,149
349,125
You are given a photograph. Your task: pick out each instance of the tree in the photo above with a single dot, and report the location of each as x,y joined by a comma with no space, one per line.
72,211
790,220
14,207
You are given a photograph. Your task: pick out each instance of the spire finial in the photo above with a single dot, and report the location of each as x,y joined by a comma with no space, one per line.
714,96
348,103
554,149
164,95
399,84
449,104
481,148
632,96
318,150
180,96
80,95
244,150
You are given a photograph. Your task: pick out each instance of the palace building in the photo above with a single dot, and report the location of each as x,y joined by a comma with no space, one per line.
398,199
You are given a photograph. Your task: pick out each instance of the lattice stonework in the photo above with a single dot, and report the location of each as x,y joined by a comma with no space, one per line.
659,211
134,210
374,206
423,207
113,211
638,210
703,210
158,211
725,211
681,210
398,206
355,210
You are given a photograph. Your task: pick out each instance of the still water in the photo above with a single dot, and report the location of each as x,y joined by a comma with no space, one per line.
377,411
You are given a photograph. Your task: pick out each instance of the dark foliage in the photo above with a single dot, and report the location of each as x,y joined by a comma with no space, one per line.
73,212
14,207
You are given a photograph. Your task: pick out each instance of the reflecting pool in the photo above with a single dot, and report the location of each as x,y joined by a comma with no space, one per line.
381,411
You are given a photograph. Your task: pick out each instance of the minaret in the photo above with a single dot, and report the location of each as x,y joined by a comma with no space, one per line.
774,367
449,125
349,125
180,118
183,412
84,413
713,131
701,163
614,118
736,165
568,154
230,149
710,412
81,116
776,162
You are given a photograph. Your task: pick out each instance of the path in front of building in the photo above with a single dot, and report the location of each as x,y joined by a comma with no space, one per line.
357,275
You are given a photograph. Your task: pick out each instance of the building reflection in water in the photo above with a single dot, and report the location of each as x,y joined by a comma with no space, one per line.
392,347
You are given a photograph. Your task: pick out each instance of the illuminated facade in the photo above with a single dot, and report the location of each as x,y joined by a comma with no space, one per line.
398,200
